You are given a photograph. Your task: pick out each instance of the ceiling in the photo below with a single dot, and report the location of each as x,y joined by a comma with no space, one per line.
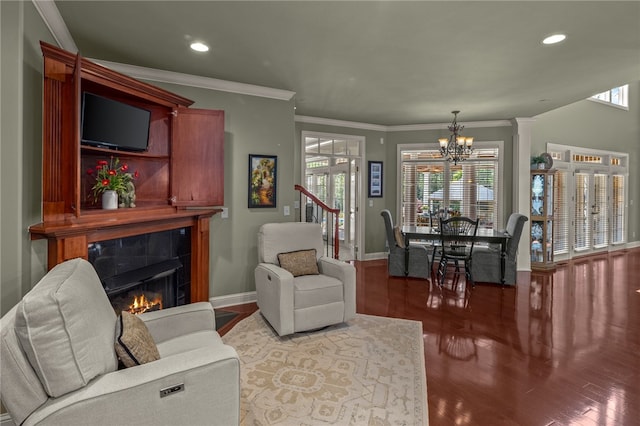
385,63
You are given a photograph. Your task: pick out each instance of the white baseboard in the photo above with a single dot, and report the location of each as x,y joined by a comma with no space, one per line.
232,300
5,420
375,256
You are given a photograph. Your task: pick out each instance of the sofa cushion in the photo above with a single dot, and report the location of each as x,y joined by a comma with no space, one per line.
134,344
65,327
301,262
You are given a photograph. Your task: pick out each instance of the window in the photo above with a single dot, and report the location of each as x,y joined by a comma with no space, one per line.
429,183
618,96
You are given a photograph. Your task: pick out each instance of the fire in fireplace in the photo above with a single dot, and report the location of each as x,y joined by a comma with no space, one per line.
145,289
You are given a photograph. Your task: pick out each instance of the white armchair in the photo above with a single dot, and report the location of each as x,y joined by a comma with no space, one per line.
59,364
322,293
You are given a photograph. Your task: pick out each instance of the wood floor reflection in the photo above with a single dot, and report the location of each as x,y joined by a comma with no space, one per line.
560,348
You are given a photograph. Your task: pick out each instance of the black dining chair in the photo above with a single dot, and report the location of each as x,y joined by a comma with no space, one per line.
456,247
434,222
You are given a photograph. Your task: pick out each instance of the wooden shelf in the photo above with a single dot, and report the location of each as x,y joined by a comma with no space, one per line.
123,154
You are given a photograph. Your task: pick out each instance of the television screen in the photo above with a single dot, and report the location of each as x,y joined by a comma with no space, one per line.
113,124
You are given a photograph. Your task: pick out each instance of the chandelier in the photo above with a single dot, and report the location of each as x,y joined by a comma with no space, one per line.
456,148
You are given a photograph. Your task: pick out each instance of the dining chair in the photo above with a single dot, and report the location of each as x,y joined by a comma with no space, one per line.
434,222
456,247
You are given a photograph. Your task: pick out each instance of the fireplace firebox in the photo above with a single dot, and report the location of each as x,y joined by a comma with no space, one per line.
144,272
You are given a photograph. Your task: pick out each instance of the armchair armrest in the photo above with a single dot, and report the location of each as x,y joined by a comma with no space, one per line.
274,287
211,378
346,273
169,323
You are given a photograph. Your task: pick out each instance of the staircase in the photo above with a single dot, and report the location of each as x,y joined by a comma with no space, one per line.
313,210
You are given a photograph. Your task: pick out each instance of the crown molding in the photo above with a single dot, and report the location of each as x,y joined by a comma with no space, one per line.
53,20
439,126
197,81
398,128
339,123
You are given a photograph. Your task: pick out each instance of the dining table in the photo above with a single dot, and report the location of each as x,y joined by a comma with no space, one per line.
483,235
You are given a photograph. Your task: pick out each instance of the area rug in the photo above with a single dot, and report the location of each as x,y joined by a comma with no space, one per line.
369,371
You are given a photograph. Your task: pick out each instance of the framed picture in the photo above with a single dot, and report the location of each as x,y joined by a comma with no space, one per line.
262,180
375,179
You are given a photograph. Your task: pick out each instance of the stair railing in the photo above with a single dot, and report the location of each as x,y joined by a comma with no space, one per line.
315,211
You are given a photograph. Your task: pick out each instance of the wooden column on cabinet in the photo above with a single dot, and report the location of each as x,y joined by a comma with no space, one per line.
200,260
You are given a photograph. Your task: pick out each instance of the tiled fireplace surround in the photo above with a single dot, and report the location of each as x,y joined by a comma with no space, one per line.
153,264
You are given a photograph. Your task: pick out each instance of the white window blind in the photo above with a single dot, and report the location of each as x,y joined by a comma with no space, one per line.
430,184
617,213
599,211
562,220
582,228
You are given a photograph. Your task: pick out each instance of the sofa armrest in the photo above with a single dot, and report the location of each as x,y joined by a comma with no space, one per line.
169,323
211,379
274,289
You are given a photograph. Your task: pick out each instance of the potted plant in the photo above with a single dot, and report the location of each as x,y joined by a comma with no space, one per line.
538,162
112,180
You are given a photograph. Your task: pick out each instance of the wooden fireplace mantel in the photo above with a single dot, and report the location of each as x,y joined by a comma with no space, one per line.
181,173
71,238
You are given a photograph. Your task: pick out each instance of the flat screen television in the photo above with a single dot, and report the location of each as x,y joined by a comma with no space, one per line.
113,124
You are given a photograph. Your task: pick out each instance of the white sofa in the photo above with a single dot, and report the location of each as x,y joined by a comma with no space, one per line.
306,302
59,366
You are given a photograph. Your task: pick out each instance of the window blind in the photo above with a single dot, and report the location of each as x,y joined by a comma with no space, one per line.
600,212
618,230
582,228
562,220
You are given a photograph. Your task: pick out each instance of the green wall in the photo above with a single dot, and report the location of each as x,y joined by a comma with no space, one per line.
594,125
253,125
22,262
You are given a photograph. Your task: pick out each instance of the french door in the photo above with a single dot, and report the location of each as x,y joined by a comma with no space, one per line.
590,197
591,216
336,186
332,173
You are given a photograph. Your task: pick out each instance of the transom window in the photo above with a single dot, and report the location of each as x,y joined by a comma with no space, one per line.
618,96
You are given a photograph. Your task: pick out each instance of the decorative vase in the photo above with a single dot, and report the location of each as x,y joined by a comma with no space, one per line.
109,199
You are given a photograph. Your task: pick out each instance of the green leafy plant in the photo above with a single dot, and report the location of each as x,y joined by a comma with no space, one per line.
111,175
537,159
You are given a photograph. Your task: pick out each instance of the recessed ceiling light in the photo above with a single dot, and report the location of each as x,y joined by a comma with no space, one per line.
199,47
553,39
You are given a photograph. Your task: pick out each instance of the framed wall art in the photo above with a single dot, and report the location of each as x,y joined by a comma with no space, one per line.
375,179
262,180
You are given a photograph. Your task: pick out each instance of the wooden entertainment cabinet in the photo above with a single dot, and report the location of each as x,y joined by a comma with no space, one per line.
183,166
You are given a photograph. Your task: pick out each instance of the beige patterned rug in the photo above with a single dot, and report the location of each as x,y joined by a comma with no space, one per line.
369,371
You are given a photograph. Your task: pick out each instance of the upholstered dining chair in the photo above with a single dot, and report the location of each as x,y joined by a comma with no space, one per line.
456,247
61,345
419,261
298,288
487,260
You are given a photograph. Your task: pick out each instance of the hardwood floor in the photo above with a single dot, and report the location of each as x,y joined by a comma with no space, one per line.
560,348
